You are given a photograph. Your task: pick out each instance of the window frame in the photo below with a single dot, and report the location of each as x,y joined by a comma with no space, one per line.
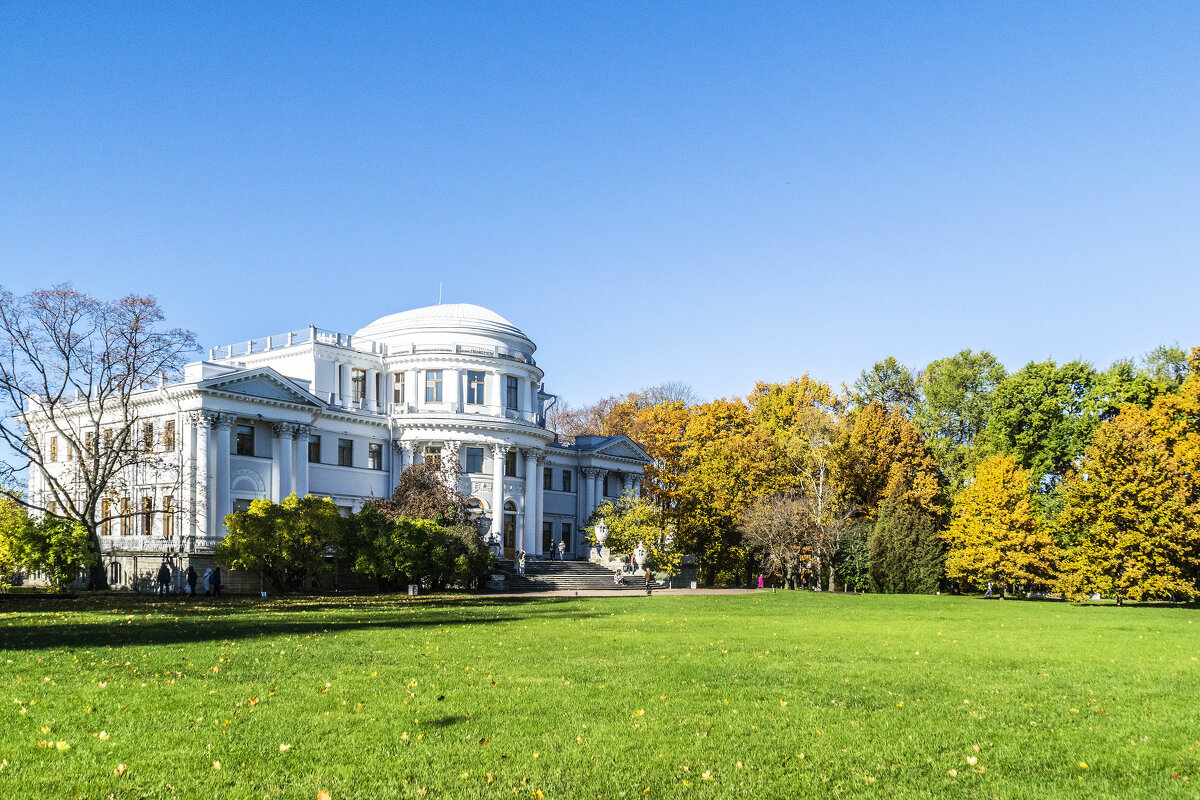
358,385
243,439
374,455
567,480
169,435
433,385
168,516
476,387
345,452
512,393
398,387
474,458
548,478
510,464
314,439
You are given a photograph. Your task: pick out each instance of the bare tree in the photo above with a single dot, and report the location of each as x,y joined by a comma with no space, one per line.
73,372
779,528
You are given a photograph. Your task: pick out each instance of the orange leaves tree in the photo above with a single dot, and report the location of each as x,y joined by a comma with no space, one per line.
994,532
1131,513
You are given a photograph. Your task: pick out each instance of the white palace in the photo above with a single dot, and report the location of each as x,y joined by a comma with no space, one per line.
341,415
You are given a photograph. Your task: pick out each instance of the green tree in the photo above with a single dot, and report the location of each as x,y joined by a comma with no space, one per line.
405,550
283,542
780,530
1041,416
56,547
852,562
13,518
888,382
1131,513
428,490
906,554
953,409
995,534
637,520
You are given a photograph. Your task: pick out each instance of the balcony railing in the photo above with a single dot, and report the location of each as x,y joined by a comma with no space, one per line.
315,335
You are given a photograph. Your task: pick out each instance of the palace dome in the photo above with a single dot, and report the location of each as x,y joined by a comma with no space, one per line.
445,318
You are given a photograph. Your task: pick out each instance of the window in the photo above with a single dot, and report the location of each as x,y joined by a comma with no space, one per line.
358,385
108,441
245,440
510,464
106,517
474,508
433,454
126,522
475,386
241,504
148,437
547,537
147,516
168,517
375,455
433,386
566,480
547,478
345,453
474,459
345,511
54,448
52,508
314,449
511,393
169,435
114,573
398,388
89,443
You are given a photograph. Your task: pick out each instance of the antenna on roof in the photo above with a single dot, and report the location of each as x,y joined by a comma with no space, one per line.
439,293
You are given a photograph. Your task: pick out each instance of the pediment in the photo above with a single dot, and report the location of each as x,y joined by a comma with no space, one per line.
623,447
263,383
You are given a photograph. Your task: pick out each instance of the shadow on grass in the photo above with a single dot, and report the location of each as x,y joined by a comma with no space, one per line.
127,621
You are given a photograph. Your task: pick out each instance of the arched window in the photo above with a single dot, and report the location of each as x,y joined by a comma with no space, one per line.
114,573
474,508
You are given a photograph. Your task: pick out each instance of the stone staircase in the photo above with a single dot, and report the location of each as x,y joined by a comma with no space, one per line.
548,576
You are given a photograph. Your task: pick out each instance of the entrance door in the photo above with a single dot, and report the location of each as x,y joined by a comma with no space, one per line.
547,537
510,535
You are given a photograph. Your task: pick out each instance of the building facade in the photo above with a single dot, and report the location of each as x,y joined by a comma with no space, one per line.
341,416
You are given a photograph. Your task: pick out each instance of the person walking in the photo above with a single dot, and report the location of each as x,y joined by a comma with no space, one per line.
988,593
208,582
164,580
216,582
190,581
760,580
562,550
520,562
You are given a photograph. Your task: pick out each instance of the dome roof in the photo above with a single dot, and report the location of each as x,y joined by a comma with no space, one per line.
448,317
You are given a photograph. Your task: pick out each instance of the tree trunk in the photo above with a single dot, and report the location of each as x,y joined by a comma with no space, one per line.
97,576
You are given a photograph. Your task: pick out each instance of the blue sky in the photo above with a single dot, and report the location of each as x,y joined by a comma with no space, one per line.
717,194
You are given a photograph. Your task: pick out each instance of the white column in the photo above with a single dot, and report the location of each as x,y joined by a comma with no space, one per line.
414,390
533,404
452,388
495,393
637,485
585,489
532,529
344,384
627,483
541,501
300,465
281,461
372,394
499,452
598,488
221,504
198,512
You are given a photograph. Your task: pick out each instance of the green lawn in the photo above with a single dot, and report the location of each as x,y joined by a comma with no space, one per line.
770,696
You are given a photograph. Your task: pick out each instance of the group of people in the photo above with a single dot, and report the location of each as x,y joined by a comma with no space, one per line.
211,582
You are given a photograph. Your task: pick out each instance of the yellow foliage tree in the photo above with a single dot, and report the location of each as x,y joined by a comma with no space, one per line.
994,533
1131,510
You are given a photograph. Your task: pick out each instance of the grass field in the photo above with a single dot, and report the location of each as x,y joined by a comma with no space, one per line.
772,696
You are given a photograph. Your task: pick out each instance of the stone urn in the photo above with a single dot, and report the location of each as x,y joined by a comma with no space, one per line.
639,555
